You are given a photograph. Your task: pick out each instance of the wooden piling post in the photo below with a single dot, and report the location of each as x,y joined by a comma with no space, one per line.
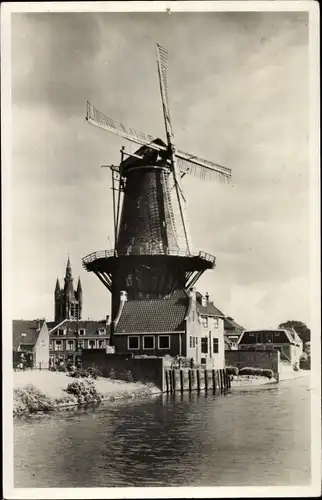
170,379
229,381
181,380
190,380
213,380
219,380
198,380
206,380
167,380
174,380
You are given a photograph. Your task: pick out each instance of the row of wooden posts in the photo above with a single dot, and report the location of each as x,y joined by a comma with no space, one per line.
195,379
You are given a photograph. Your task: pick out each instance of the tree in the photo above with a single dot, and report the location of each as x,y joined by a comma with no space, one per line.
301,329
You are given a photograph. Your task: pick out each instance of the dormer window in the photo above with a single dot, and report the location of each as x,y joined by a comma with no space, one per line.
60,332
101,331
82,331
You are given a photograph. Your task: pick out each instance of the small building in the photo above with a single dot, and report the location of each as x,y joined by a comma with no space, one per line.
30,341
288,343
69,337
232,333
183,324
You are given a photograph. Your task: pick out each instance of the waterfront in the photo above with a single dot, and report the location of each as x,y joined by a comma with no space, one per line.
253,438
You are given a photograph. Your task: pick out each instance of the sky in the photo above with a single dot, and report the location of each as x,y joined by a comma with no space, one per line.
238,92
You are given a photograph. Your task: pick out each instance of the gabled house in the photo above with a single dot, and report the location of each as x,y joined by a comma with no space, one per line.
288,343
233,332
69,337
183,324
31,339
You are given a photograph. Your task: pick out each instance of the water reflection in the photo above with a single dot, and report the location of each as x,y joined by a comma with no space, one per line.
259,437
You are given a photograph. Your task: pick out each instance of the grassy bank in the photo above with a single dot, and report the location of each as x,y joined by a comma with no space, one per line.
45,391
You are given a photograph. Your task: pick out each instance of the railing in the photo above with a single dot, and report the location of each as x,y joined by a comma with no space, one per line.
146,250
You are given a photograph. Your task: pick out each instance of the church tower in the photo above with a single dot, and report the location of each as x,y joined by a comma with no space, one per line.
68,302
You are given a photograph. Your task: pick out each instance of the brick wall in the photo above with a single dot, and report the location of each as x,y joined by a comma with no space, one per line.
256,359
146,370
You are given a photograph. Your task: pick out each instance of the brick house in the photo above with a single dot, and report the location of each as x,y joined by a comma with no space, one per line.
182,324
69,337
31,338
287,342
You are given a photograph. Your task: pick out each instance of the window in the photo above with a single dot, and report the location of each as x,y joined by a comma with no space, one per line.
204,345
101,331
50,345
80,344
269,337
43,343
70,345
58,345
193,316
74,310
101,344
215,346
81,331
91,344
193,342
190,338
204,321
148,342
60,332
164,342
196,340
216,323
258,338
133,342
252,334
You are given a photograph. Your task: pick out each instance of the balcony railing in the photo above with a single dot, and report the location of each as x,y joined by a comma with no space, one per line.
147,250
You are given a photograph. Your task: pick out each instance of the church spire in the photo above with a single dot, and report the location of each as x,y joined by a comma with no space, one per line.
57,287
68,274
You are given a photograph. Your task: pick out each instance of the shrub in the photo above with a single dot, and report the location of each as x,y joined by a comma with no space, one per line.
232,370
127,376
91,372
29,399
268,373
261,372
85,391
112,374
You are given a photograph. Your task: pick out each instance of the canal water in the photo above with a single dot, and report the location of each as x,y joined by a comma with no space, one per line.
251,437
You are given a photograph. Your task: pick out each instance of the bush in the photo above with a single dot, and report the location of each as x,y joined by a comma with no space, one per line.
85,391
268,373
91,372
29,399
232,370
259,372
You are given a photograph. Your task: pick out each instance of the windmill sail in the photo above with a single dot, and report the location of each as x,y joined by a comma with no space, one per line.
178,202
188,163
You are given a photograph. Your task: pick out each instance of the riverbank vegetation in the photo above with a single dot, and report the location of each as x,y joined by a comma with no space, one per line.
45,391
249,372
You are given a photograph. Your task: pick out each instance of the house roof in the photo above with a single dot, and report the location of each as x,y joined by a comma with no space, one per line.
25,331
209,309
154,315
231,325
91,327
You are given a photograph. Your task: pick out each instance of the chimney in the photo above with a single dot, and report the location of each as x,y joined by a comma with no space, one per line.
204,301
123,296
192,293
107,320
207,297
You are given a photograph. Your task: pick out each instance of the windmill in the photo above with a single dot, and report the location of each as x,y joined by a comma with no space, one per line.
152,255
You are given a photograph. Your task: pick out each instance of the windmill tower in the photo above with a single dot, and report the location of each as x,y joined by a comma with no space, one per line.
152,255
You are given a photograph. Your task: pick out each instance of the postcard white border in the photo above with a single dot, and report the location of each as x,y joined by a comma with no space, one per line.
312,7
